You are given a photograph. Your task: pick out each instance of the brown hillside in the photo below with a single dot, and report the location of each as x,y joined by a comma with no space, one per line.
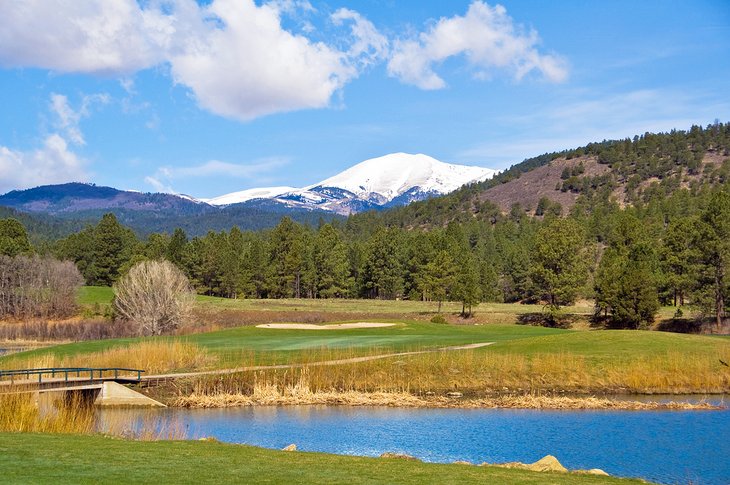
541,182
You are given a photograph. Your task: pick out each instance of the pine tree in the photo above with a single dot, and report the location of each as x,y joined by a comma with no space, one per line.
13,238
626,280
466,283
286,259
176,248
382,273
111,247
678,258
712,241
559,262
437,277
331,264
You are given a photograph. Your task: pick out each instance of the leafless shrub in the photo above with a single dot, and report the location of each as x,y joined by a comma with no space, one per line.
37,287
156,296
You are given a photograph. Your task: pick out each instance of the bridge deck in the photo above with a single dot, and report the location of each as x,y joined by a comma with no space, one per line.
54,378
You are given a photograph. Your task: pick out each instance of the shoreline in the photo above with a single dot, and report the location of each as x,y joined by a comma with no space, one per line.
298,397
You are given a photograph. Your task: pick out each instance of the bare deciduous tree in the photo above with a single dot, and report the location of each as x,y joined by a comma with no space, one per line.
156,296
37,286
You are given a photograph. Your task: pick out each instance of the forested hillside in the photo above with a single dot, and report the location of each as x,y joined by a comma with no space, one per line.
648,223
639,171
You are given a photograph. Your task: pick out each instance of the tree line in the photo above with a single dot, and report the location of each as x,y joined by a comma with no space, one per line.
667,247
634,261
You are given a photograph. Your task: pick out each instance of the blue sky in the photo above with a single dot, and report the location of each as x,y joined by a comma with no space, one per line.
214,97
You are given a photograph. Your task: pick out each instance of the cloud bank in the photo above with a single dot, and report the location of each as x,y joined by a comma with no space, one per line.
239,61
489,40
164,177
52,163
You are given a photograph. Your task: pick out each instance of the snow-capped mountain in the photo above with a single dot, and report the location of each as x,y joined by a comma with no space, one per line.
249,194
387,181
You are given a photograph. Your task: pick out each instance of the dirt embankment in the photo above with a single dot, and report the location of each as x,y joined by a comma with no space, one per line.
298,396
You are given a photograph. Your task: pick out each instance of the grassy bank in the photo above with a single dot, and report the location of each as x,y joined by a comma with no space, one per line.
40,458
521,359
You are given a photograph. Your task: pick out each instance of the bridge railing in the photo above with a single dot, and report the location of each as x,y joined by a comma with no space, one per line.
79,372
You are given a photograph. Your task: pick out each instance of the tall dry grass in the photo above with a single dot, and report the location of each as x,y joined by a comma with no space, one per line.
72,414
482,373
301,394
152,356
20,413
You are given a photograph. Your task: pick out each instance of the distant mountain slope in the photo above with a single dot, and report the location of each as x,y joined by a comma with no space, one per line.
626,172
43,227
76,197
54,211
388,181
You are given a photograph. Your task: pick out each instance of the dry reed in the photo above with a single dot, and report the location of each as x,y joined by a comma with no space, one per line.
72,414
151,356
487,373
21,413
301,394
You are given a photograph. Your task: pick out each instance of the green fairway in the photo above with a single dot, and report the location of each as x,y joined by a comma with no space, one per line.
37,458
102,295
615,344
266,345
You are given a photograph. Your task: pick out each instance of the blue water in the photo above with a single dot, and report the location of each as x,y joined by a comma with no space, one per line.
662,446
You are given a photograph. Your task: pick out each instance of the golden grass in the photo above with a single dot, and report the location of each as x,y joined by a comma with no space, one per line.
486,373
20,413
71,414
151,356
266,394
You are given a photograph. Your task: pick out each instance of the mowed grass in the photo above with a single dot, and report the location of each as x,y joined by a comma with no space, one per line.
102,295
253,345
42,458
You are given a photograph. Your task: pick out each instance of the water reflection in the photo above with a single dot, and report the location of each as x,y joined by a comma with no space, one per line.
662,446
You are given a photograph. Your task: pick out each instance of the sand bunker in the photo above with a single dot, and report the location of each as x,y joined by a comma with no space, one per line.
311,326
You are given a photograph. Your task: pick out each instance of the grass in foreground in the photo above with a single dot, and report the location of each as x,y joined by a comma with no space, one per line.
39,458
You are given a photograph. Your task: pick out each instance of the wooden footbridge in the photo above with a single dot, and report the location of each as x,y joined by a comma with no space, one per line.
58,377
103,386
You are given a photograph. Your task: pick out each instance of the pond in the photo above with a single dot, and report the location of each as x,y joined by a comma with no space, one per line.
661,446
9,350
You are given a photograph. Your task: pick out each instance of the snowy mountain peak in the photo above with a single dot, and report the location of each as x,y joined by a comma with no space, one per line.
392,175
394,179
249,194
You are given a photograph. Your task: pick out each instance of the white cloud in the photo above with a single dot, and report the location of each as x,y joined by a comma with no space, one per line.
54,162
68,119
240,62
158,185
235,56
163,179
107,37
367,45
50,164
486,36
244,64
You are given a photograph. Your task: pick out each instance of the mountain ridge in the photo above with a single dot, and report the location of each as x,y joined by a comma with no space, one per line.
391,180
